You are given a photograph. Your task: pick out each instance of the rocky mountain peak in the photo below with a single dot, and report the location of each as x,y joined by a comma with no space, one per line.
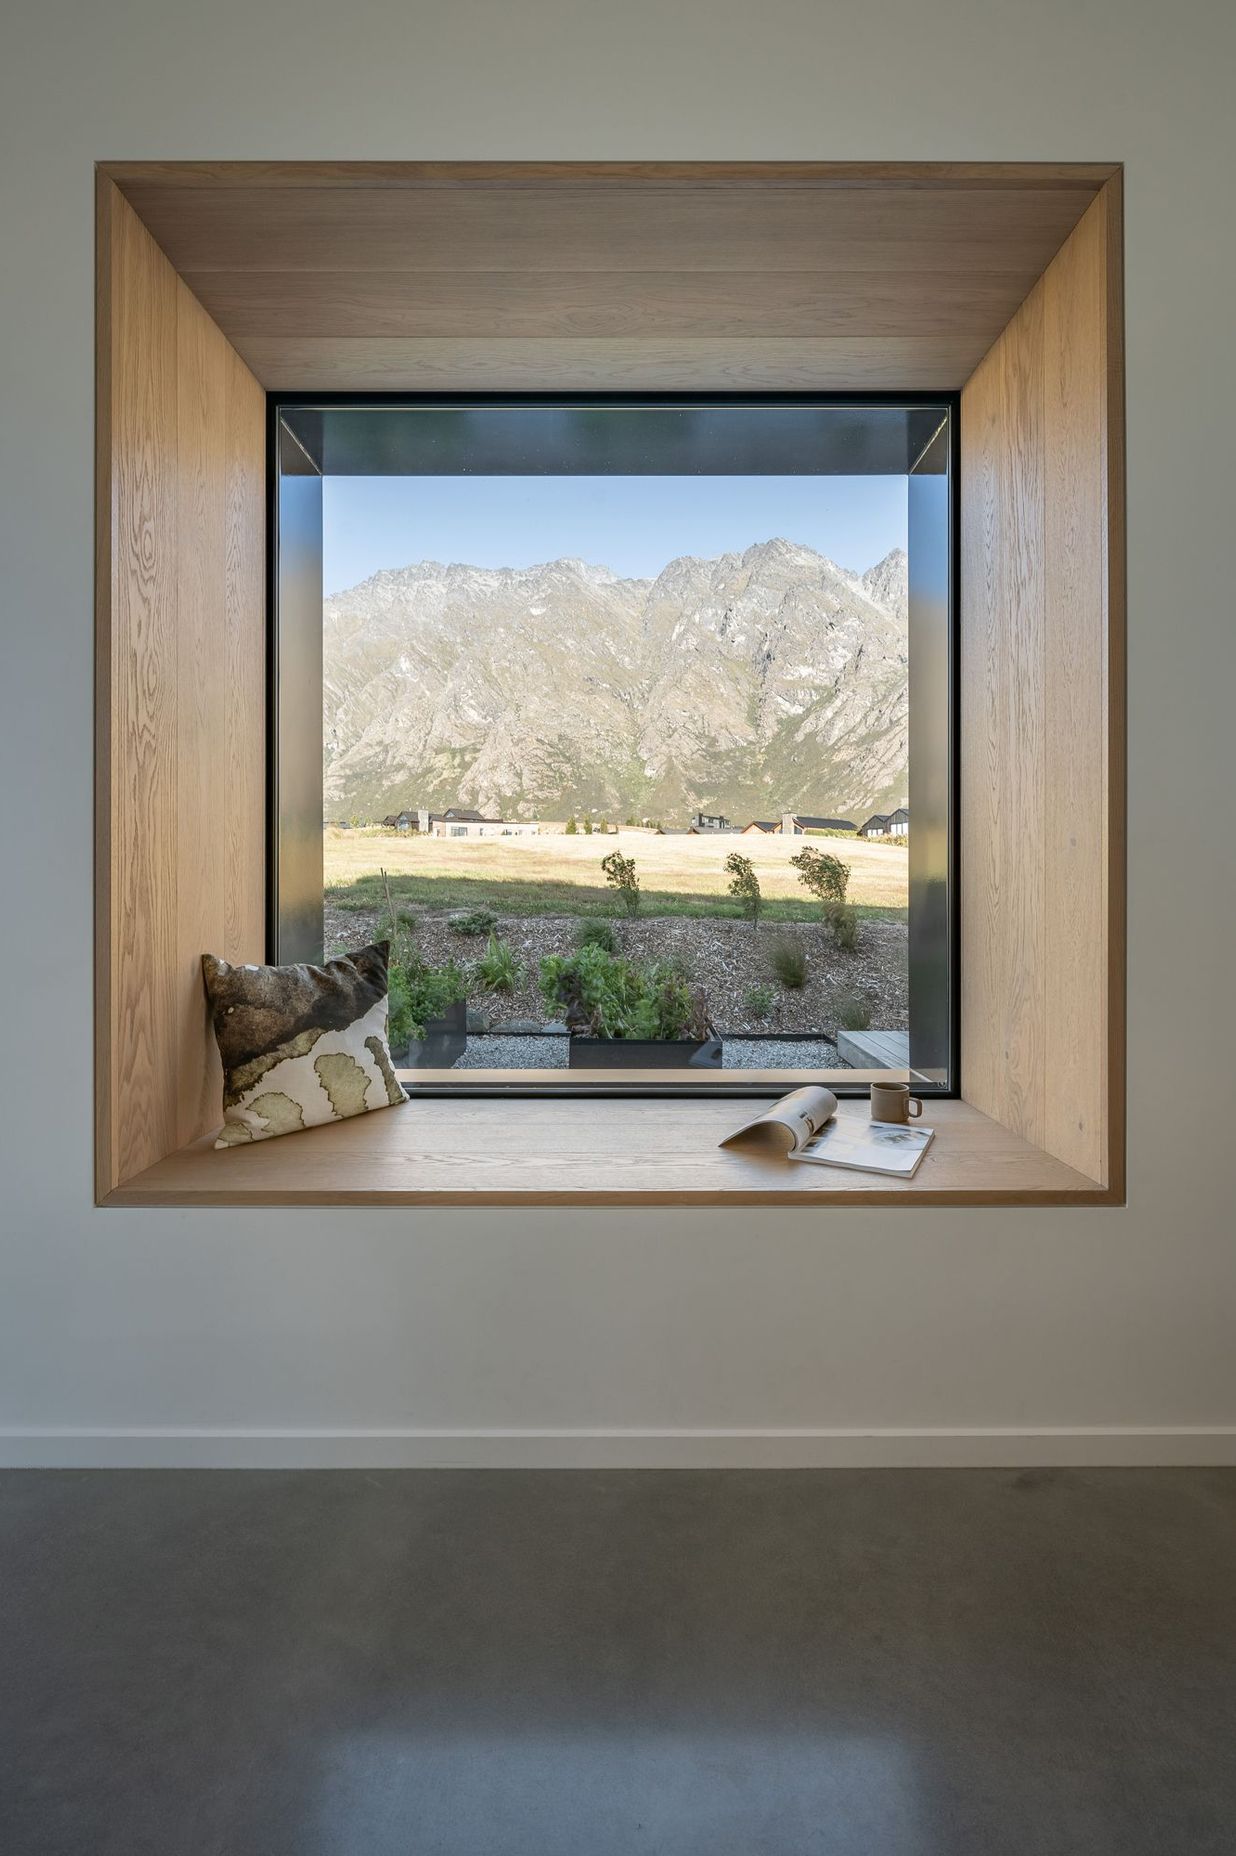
888,583
752,683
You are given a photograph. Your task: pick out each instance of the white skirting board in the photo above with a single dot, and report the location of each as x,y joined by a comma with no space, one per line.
1148,1446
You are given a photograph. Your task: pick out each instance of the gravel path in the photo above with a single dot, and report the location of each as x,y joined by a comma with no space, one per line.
529,1053
515,1054
793,1054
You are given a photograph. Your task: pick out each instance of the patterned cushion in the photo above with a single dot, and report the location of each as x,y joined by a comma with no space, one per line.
301,1045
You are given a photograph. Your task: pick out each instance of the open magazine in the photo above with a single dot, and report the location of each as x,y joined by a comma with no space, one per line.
805,1126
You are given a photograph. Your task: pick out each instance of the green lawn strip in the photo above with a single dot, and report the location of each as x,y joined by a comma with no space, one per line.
506,897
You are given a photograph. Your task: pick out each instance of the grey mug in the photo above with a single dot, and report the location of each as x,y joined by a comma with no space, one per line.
893,1102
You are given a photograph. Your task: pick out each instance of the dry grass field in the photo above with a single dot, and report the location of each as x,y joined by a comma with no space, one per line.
554,874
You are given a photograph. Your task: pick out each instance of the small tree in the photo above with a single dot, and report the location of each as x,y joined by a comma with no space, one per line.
824,875
603,827
620,875
571,826
587,828
745,884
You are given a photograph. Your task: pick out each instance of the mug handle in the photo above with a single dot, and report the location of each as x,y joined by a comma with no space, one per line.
914,1107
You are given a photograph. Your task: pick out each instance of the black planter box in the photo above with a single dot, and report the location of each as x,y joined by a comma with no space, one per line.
644,1053
444,1042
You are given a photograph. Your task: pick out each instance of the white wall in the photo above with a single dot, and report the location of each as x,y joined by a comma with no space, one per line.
799,1324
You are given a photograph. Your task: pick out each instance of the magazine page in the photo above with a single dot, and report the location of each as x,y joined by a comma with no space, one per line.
868,1146
789,1124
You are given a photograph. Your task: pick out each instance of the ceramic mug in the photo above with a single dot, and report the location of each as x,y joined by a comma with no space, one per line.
893,1102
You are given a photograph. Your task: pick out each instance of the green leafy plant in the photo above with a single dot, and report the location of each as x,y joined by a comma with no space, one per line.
606,996
745,884
822,873
853,1012
571,827
418,994
587,827
788,960
497,969
759,1000
595,931
473,922
620,875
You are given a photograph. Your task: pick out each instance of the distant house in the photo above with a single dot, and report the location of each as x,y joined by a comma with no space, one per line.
459,822
709,821
795,823
401,821
761,824
887,824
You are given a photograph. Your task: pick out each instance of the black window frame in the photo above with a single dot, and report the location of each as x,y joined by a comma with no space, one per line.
936,896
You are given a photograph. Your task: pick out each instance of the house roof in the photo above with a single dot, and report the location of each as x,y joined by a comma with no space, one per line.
877,818
763,824
820,824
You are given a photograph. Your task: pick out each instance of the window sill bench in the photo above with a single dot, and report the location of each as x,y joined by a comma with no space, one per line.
484,1152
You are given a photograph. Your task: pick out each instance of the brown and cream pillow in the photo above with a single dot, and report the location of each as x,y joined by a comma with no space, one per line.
301,1045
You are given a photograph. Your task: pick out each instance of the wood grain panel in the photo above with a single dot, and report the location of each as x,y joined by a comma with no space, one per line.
563,1153
516,176
180,526
856,363
628,304
958,231
1081,402
201,693
1042,903
1022,773
139,1059
347,269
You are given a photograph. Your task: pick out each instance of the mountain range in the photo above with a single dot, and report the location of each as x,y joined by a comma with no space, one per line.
752,684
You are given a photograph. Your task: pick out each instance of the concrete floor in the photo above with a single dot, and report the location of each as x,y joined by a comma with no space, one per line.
597,1664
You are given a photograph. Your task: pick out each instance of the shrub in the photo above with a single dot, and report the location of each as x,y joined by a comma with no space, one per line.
607,996
745,884
497,969
822,873
853,1012
620,875
571,827
759,1000
842,922
473,922
587,827
788,960
595,932
419,993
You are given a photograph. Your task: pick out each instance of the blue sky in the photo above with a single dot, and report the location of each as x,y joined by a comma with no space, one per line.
632,524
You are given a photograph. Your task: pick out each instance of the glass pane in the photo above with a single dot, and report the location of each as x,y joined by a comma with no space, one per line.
616,722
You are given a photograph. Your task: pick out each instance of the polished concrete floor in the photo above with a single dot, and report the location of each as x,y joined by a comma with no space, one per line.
457,1663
